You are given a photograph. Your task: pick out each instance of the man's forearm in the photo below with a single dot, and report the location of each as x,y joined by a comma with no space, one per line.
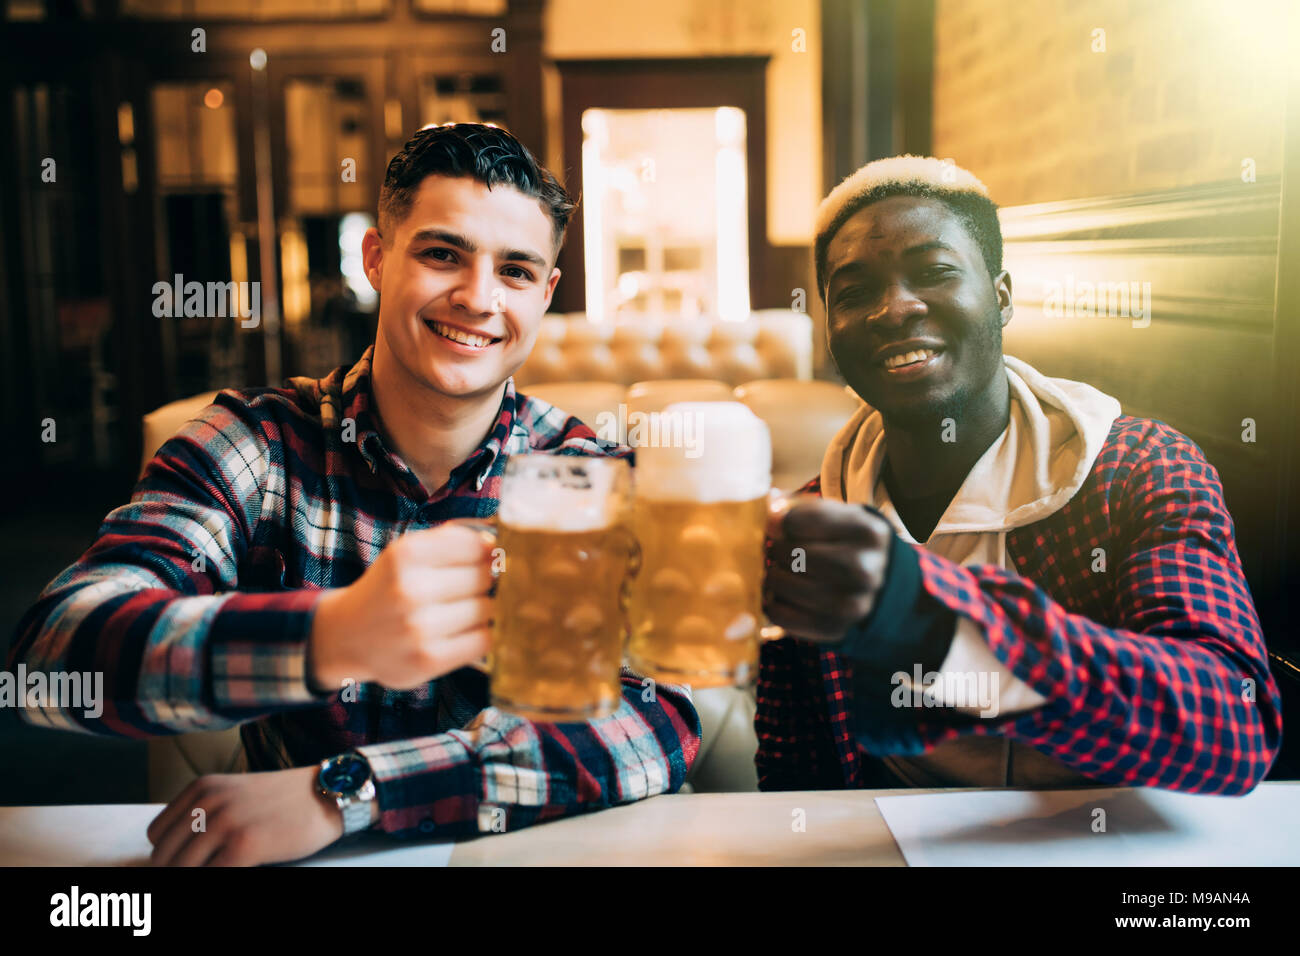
169,663
1102,686
503,773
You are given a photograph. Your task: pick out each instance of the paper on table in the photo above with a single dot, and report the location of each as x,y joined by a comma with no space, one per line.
1143,827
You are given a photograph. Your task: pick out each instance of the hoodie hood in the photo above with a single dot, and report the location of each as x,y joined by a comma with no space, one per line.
1056,430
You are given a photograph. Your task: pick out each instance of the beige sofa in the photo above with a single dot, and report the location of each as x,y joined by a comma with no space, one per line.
775,343
803,416
703,363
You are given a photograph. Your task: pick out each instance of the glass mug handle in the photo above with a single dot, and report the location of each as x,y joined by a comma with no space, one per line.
487,527
778,503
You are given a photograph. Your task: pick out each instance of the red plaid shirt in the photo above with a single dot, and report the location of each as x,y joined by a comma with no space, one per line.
1155,671
196,601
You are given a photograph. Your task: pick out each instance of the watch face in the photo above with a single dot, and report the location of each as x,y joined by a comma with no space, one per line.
345,774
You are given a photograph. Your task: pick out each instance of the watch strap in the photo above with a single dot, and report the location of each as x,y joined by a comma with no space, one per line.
356,814
355,808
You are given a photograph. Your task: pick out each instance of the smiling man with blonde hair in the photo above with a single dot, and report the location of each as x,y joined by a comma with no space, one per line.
1006,581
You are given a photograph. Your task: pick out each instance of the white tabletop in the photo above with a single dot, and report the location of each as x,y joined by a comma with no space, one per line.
828,827
838,827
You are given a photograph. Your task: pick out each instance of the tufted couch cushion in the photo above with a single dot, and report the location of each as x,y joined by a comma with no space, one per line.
803,417
585,400
648,397
770,344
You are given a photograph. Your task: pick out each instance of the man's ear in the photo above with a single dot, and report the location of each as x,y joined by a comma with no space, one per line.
372,257
550,288
1002,286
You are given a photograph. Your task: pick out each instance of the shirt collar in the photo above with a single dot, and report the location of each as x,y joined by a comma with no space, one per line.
480,463
357,402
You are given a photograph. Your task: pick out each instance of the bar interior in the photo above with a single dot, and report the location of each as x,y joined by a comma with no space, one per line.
769,402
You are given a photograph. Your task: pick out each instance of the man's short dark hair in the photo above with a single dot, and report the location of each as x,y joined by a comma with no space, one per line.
488,154
925,178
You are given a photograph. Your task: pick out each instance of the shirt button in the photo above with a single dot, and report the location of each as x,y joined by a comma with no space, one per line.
427,825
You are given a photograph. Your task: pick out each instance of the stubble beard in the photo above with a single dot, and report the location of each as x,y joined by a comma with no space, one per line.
915,417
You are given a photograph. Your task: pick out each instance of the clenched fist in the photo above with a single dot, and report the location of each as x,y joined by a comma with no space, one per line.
420,611
827,563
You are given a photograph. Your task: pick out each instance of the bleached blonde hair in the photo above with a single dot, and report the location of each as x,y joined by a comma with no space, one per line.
923,176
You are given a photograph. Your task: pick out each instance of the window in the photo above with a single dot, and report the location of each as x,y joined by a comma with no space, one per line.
664,205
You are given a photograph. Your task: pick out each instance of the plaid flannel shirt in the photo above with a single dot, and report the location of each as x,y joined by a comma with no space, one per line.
1155,669
196,601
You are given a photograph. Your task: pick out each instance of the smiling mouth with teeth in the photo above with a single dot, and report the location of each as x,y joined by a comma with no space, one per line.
908,358
456,335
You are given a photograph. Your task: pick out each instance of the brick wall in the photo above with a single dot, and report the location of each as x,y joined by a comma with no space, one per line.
1183,92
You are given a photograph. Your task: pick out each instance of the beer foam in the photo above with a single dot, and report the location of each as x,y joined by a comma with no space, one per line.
725,455
534,503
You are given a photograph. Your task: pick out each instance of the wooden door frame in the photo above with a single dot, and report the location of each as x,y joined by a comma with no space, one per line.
215,68
663,83
877,82
369,67
123,56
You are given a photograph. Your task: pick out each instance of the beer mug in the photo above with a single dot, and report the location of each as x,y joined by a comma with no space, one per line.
561,597
699,514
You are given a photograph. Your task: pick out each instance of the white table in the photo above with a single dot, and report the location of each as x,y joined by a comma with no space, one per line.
842,827
838,828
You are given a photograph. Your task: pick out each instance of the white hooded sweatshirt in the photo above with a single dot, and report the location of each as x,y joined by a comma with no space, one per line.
1056,430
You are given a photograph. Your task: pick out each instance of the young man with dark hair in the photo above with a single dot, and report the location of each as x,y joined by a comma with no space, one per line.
294,559
1040,590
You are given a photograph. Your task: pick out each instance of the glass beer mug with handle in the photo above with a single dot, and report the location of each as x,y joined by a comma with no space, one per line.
699,513
560,622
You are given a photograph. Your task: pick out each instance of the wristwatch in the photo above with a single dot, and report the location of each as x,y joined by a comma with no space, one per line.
346,780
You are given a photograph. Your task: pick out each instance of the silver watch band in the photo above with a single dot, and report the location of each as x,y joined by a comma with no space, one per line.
356,808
